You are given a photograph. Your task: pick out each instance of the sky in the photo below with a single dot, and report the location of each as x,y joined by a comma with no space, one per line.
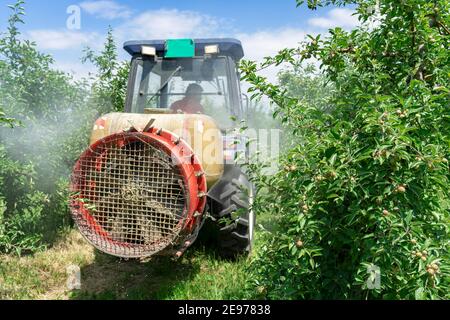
63,28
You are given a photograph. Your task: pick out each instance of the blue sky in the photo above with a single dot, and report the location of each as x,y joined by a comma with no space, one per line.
263,26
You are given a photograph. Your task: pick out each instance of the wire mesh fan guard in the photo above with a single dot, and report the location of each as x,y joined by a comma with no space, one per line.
132,194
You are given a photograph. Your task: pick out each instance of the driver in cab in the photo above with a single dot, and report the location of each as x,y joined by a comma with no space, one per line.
191,103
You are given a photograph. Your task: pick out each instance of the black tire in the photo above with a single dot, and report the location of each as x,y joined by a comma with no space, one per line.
235,219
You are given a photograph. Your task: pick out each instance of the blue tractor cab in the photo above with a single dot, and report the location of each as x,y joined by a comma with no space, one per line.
164,71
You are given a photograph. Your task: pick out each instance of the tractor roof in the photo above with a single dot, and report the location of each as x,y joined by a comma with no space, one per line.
229,47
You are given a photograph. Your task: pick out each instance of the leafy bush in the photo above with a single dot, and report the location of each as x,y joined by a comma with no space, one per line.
21,207
52,115
110,82
366,188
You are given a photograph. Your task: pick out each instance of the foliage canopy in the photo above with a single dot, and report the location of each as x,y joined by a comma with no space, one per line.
366,187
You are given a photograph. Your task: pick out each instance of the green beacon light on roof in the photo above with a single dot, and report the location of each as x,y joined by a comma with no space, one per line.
180,48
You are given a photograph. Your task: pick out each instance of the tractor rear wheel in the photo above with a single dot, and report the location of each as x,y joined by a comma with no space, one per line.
235,218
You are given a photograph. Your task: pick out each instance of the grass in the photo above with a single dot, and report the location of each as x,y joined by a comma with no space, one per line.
200,274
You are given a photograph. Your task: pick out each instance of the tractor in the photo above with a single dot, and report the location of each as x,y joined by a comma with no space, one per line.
154,174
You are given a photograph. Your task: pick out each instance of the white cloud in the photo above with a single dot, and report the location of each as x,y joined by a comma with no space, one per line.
106,9
338,17
267,43
164,23
48,39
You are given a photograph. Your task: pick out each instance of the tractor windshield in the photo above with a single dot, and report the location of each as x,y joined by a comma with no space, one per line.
184,85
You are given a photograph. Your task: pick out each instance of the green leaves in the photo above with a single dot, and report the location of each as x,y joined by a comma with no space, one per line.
110,82
373,131
51,115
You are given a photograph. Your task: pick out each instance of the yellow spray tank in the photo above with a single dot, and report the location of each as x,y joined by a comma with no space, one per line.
199,131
